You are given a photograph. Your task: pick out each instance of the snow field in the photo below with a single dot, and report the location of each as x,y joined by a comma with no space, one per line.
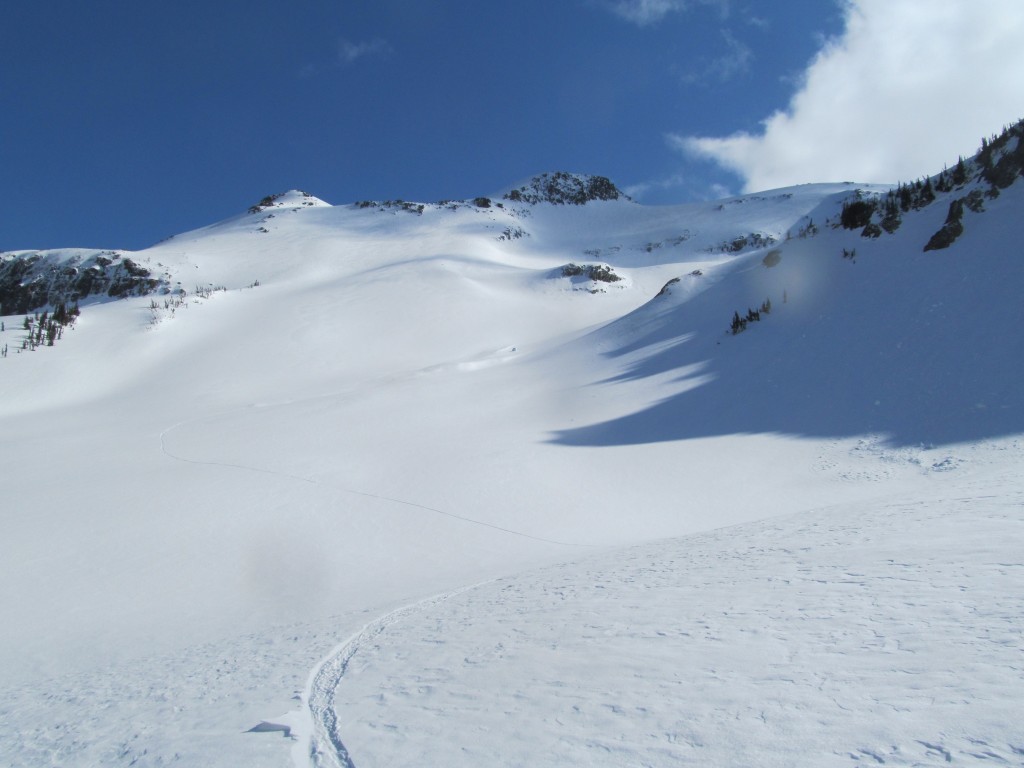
199,507
858,634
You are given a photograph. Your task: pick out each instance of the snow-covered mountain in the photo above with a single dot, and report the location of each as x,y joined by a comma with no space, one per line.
546,477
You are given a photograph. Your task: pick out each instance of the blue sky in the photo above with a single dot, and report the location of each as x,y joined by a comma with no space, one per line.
122,123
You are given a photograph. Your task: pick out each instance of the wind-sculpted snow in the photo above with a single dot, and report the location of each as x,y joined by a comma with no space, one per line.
883,634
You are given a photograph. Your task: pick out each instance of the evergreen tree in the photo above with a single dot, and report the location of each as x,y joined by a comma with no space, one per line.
906,197
927,194
960,173
737,323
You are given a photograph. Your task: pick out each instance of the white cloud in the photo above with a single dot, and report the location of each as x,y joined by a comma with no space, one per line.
905,88
645,12
640,189
694,189
735,60
348,51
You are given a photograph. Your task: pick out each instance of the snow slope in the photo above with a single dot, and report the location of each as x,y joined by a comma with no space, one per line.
353,409
883,634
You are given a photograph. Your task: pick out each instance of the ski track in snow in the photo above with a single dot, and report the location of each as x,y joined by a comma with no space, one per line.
309,481
189,707
886,635
325,748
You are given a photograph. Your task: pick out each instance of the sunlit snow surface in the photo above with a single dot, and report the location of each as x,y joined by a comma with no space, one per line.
887,633
404,494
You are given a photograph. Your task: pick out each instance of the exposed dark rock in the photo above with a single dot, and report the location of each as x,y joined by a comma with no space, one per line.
665,289
600,273
31,281
951,230
562,188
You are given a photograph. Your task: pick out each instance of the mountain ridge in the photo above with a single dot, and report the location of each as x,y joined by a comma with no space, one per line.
35,280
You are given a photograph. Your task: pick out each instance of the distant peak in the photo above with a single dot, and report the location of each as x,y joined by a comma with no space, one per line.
293,198
563,188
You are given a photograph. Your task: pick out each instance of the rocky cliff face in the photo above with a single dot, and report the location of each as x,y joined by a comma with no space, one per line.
30,280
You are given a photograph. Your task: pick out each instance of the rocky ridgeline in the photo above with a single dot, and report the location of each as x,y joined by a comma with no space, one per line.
558,188
561,188
294,198
966,187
